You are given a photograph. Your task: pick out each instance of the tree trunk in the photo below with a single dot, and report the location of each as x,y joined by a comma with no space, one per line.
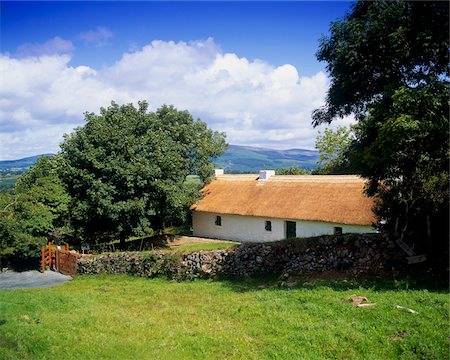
162,227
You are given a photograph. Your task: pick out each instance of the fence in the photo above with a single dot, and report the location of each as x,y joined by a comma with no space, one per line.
58,259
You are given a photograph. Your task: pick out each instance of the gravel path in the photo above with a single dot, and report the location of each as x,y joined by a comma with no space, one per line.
31,279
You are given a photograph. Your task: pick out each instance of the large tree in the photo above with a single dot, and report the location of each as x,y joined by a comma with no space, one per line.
126,169
388,62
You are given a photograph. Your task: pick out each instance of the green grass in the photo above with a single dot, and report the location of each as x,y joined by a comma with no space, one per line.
121,317
216,245
185,247
7,181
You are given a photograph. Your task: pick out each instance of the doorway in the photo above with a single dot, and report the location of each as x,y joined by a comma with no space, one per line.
291,229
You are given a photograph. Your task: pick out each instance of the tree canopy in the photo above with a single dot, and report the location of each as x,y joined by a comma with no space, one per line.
36,211
388,62
291,170
333,146
126,169
379,47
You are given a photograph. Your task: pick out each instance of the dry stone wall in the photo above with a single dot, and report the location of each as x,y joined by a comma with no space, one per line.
353,253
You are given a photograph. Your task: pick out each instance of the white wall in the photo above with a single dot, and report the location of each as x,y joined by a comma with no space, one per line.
251,228
316,228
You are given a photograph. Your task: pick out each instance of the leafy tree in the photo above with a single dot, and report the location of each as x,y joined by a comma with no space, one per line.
333,146
37,209
388,62
126,169
377,48
43,182
291,170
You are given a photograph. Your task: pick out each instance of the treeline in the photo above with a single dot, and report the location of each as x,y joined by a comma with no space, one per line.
124,173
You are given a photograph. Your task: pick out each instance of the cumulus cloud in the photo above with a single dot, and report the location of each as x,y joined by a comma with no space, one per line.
53,46
99,37
254,102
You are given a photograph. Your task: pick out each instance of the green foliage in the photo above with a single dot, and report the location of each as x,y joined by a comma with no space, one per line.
126,169
409,154
43,182
37,209
333,146
251,319
389,66
292,170
377,48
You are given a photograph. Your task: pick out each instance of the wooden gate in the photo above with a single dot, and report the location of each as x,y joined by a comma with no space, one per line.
59,259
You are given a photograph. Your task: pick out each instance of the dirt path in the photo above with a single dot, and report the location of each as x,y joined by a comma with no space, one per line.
31,279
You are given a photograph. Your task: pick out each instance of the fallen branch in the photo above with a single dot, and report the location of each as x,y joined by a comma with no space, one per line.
398,307
365,305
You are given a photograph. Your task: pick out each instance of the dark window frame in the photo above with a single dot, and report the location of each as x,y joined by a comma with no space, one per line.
268,225
337,230
218,221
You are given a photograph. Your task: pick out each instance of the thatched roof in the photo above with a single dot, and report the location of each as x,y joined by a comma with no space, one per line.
330,198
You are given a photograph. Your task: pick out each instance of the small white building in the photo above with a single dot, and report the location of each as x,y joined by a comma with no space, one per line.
272,207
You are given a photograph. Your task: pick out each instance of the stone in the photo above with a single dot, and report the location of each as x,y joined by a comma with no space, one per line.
362,253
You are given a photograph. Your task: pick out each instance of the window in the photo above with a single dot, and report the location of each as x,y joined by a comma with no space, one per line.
337,230
268,226
218,221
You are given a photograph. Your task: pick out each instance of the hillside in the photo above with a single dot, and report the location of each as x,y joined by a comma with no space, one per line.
10,170
252,159
236,159
20,164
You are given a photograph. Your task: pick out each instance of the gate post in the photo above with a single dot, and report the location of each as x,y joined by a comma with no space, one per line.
43,259
57,258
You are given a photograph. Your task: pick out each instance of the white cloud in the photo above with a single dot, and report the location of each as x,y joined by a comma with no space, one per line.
53,46
254,102
99,37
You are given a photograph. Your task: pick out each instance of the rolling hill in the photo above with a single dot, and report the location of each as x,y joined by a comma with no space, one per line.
20,164
237,159
252,159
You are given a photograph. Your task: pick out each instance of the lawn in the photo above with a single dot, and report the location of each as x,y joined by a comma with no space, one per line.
122,317
181,241
191,244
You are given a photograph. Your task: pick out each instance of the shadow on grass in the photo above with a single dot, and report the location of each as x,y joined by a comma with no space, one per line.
341,282
145,243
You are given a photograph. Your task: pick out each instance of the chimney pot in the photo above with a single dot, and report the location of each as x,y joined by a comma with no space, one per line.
265,174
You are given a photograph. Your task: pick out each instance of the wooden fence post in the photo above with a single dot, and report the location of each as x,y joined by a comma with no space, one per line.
49,255
43,259
61,260
58,258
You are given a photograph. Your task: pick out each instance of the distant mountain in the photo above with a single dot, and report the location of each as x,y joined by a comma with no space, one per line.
252,159
237,159
20,164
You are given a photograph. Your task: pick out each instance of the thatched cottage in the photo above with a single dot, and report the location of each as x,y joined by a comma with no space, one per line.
271,207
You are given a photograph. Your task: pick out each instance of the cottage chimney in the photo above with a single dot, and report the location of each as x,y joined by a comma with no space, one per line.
265,174
218,172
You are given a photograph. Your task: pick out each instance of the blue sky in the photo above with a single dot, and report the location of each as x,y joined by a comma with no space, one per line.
262,53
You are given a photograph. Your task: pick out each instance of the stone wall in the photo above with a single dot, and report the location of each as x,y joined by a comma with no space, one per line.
353,253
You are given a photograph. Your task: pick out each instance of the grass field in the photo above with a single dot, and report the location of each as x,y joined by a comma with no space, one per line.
180,244
121,317
189,244
7,180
